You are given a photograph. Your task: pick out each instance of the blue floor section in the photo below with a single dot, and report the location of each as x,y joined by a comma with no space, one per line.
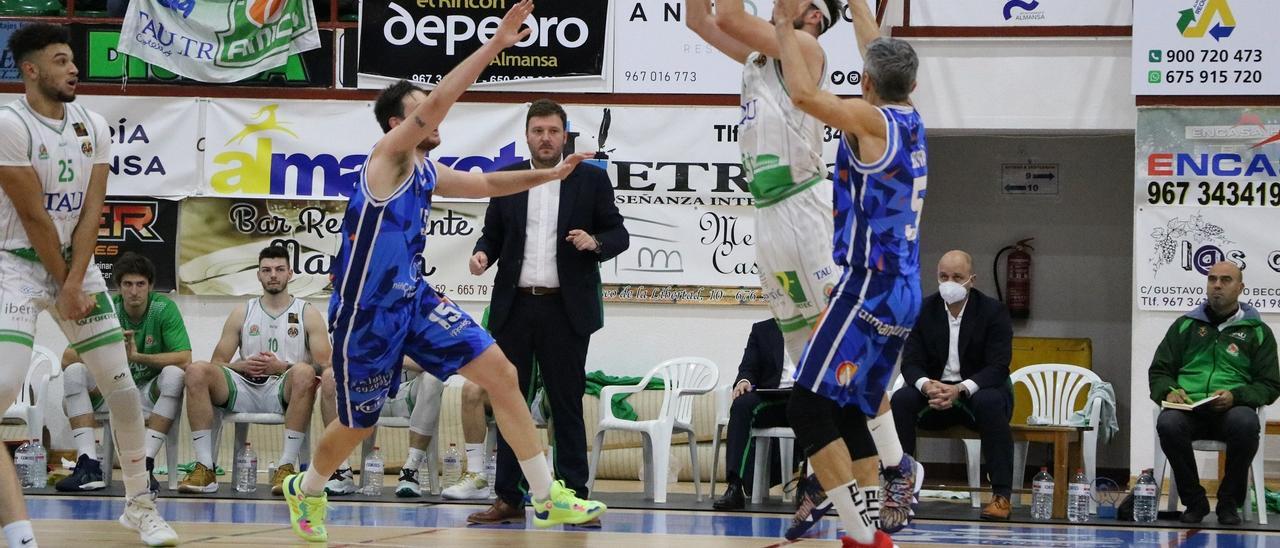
659,522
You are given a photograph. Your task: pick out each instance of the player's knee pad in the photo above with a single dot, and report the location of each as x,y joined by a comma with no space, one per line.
426,410
170,384
75,388
14,372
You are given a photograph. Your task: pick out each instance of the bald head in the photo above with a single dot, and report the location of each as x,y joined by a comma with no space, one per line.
1225,283
955,266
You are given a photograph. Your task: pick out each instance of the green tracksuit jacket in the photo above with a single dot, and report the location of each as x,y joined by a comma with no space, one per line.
1200,358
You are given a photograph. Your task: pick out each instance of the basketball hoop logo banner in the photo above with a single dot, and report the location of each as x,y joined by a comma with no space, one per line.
224,41
421,40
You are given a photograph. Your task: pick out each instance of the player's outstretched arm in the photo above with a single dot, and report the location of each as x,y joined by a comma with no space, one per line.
854,116
426,117
756,34
700,20
464,184
865,28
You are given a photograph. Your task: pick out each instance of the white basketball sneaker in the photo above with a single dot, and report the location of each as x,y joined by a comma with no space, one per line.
471,486
140,514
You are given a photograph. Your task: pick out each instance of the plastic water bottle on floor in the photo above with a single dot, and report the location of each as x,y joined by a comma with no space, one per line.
371,474
1145,497
247,464
1042,496
22,461
491,472
452,465
39,468
1078,498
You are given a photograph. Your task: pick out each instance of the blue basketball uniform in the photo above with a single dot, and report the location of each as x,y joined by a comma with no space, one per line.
382,307
857,343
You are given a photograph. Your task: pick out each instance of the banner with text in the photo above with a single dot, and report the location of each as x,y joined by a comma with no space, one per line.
1020,13
1206,190
1205,47
143,225
153,144
225,41
656,53
423,40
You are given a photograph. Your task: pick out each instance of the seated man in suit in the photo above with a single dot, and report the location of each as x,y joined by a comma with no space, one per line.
1222,348
764,365
956,368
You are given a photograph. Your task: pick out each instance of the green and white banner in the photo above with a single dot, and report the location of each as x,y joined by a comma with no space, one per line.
218,40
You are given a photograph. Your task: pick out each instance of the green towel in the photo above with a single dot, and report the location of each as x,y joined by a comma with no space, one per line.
597,380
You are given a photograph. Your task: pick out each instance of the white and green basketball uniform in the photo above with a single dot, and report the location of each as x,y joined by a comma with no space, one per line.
284,335
782,157
63,154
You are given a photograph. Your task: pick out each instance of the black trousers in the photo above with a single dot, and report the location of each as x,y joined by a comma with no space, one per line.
538,329
1238,427
750,411
988,411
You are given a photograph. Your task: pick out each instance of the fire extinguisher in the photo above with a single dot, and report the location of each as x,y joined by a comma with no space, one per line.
1017,278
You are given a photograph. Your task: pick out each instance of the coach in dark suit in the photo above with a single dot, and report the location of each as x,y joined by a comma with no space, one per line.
956,368
764,365
548,243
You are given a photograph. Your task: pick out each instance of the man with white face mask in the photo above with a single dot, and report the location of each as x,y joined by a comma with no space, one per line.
957,361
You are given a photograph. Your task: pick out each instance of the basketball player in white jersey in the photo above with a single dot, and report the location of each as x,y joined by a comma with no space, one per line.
53,170
283,343
782,158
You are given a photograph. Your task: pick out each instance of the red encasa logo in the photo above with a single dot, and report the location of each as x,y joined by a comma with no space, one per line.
264,12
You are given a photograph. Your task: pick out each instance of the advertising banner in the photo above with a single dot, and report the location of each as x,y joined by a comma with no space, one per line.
153,144
147,226
1020,13
1205,47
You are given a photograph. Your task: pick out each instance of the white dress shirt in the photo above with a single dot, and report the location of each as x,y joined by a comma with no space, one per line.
951,372
788,371
539,267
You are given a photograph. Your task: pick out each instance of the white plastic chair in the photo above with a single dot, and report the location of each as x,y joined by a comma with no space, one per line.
786,450
1054,388
109,451
242,422
724,399
1255,468
44,367
433,476
972,457
684,378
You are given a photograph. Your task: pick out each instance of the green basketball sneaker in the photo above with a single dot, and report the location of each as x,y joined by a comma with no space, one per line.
306,514
563,506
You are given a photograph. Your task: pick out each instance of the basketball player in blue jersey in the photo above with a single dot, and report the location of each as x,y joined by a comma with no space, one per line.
879,193
782,155
382,309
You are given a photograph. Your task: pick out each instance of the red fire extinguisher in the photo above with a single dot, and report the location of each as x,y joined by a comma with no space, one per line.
1017,278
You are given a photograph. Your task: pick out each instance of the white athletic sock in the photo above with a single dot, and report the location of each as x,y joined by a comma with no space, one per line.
416,456
885,435
346,464
847,500
313,483
292,446
871,497
19,533
475,458
84,441
154,441
202,440
538,474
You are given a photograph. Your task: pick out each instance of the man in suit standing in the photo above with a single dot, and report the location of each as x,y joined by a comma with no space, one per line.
956,368
548,243
764,365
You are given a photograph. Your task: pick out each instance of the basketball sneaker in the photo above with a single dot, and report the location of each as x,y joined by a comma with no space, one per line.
277,480
306,513
408,486
200,480
87,476
812,504
562,506
901,486
342,482
882,540
140,514
471,486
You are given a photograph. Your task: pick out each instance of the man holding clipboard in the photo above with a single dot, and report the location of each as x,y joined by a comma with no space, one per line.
1215,366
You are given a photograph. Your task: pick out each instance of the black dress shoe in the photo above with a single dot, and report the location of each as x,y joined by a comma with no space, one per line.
1228,515
733,499
1196,512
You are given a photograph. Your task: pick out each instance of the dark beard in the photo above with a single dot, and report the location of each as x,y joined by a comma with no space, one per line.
272,291
53,91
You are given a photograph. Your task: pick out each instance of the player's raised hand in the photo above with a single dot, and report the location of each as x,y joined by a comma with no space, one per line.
570,162
784,13
509,31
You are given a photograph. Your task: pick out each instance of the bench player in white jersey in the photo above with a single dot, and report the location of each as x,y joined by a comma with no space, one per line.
283,343
880,184
782,156
53,171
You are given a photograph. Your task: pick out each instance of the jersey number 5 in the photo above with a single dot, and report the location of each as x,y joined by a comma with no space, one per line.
445,314
917,205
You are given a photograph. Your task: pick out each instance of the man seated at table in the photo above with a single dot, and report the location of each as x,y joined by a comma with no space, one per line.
956,371
764,365
1224,350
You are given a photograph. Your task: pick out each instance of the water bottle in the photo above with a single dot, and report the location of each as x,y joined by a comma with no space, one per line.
1145,497
1042,496
22,462
1078,498
271,470
371,473
39,464
452,465
491,472
247,464
97,450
